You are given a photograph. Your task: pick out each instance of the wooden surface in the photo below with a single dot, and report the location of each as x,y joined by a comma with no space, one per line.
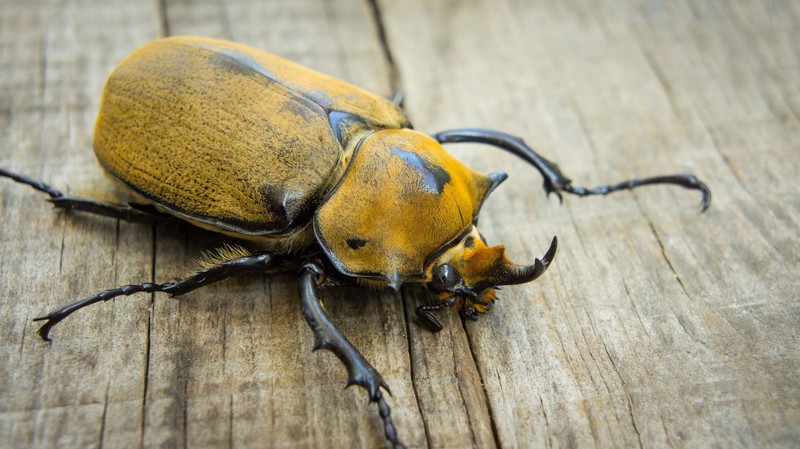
656,326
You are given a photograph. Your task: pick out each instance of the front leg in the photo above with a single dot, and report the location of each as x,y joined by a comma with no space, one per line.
326,336
554,180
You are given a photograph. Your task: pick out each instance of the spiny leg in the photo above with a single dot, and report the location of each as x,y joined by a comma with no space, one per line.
235,267
326,336
554,179
139,213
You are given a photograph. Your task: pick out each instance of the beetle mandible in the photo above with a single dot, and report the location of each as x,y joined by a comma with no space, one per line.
317,175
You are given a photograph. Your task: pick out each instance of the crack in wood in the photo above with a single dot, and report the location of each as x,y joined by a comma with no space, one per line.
591,355
485,397
224,339
666,258
406,299
149,339
633,306
628,401
230,421
395,77
63,245
546,423
103,417
22,337
163,18
666,431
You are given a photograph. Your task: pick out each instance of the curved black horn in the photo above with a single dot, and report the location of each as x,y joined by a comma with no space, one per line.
520,274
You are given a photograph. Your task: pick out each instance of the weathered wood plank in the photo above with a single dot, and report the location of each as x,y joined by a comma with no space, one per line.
86,388
655,327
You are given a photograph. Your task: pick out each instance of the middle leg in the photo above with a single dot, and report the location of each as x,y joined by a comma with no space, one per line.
236,267
137,213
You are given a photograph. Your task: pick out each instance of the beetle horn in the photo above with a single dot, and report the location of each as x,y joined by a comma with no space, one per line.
520,274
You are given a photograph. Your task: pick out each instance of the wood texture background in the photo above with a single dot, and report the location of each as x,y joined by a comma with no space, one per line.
656,327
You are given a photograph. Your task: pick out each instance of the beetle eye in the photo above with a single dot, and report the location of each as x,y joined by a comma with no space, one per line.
444,278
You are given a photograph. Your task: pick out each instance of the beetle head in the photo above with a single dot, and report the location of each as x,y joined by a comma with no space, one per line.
466,274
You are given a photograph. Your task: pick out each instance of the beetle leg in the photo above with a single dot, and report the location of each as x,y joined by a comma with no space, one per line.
326,336
427,319
132,212
235,267
554,180
139,213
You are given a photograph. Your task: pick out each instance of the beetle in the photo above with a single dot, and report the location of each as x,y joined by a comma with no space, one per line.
317,175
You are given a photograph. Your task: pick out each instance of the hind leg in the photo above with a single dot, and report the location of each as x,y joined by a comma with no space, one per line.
138,213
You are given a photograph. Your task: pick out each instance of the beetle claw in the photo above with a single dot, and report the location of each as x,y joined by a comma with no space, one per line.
429,321
550,189
44,331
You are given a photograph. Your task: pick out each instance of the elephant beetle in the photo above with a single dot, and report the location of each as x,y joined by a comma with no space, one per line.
309,170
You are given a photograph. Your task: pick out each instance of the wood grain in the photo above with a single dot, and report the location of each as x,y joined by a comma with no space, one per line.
656,326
